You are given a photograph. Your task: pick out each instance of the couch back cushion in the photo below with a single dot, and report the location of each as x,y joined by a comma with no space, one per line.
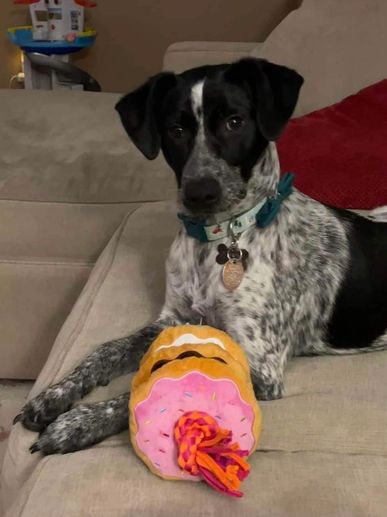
338,46
70,147
68,176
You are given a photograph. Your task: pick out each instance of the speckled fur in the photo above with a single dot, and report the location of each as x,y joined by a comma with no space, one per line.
63,429
287,293
281,309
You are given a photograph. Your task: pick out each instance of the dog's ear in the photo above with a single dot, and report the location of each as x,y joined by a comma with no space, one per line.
274,90
138,113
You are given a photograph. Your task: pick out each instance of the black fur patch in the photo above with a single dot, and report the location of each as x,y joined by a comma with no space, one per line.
360,312
260,93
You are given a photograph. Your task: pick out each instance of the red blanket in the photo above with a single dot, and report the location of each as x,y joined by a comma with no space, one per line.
339,153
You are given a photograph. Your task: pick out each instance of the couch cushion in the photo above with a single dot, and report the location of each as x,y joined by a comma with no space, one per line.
338,46
47,251
70,146
68,176
58,232
35,298
189,54
322,451
111,481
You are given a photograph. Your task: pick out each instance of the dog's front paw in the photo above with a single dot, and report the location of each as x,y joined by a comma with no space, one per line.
81,427
40,411
267,390
70,432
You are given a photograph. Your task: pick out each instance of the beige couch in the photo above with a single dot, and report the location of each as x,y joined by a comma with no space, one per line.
68,177
66,186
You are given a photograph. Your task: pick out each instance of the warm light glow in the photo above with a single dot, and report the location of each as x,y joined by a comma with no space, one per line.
22,61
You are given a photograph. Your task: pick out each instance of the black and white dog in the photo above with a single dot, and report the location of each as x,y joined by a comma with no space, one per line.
313,279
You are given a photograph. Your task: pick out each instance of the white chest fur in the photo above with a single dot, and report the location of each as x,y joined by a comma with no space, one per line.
195,278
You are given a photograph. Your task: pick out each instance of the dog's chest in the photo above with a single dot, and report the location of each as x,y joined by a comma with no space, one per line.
196,277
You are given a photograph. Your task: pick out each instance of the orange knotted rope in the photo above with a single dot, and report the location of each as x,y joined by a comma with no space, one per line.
205,450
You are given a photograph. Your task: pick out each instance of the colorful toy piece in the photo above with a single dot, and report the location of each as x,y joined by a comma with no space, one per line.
57,20
192,410
22,37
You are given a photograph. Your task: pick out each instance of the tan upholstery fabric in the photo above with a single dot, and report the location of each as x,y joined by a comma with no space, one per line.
47,251
323,448
111,481
188,54
58,232
67,146
35,298
338,46
68,176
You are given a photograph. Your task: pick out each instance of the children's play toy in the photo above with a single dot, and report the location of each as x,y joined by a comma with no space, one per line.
57,31
192,411
57,20
22,37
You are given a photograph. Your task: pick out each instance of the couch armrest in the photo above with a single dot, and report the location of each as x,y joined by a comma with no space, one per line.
188,54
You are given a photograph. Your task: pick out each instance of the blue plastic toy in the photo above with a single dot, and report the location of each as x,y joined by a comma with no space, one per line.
22,37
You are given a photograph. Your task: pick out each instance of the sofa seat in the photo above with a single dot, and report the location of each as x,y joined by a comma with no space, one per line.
323,449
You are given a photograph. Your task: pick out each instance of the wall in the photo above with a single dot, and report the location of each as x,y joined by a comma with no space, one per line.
133,34
9,54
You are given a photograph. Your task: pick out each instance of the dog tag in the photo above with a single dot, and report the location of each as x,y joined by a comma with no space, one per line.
232,252
232,274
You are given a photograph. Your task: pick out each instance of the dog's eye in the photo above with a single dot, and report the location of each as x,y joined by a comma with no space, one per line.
176,131
234,123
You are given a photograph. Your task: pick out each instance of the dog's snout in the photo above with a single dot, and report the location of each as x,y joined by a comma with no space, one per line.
201,194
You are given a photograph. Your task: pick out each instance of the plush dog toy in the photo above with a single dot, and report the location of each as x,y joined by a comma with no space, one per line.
192,411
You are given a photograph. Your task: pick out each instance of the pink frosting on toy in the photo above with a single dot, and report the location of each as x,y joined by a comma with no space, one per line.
170,398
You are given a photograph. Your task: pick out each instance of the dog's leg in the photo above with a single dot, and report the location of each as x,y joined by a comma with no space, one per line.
108,361
267,372
84,425
267,357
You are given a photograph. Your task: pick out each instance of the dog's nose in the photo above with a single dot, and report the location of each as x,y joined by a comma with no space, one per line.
203,193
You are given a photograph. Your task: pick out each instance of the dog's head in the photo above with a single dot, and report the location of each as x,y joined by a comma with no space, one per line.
213,124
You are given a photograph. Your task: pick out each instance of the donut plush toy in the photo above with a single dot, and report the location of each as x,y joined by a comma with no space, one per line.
192,410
